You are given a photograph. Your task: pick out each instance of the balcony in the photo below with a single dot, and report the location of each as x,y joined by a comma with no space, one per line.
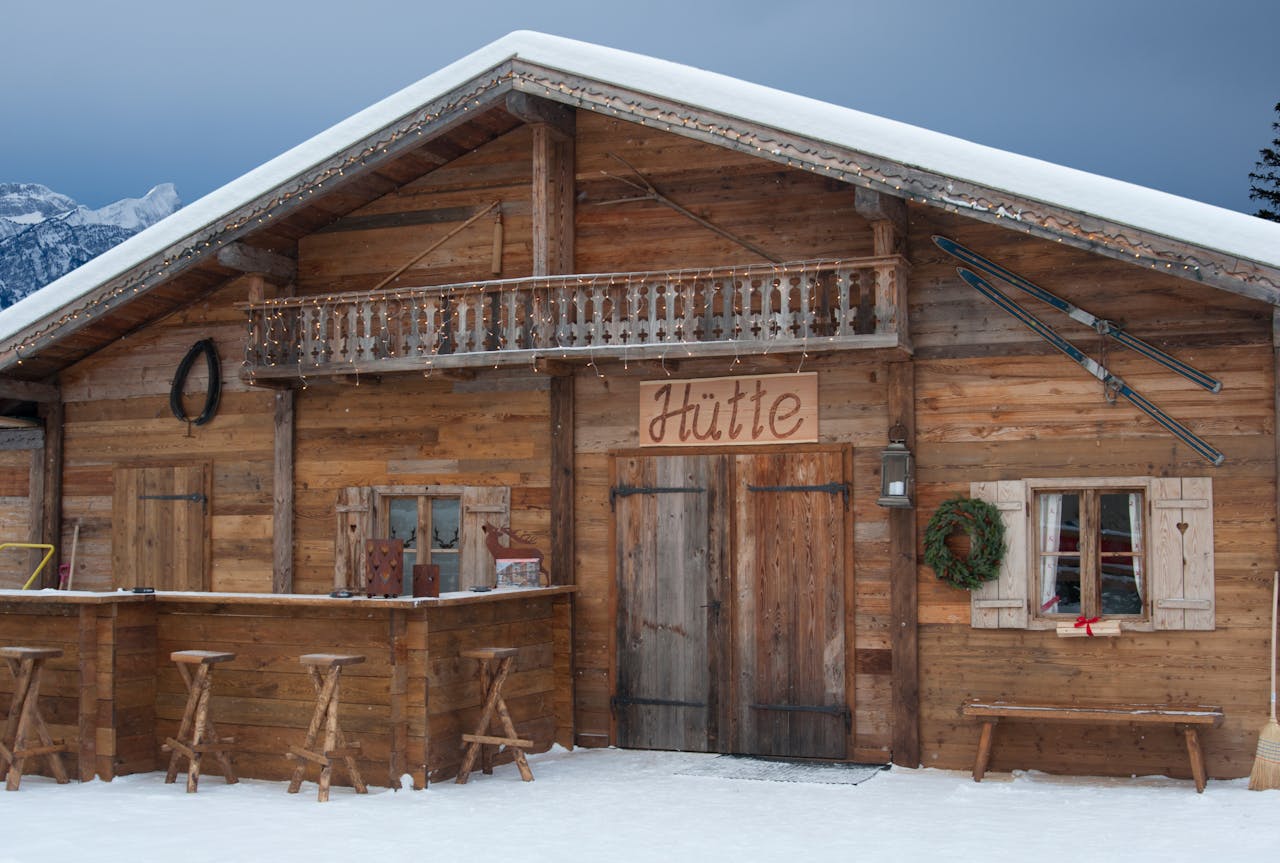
802,306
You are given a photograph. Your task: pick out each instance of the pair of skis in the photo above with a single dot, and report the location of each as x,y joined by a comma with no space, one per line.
1106,328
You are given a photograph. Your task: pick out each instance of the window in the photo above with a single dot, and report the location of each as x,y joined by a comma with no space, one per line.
1138,550
431,530
439,524
1090,552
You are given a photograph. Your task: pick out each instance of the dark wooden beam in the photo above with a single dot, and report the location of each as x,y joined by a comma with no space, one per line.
888,218
536,111
904,634
563,547
282,496
28,391
247,259
552,199
54,414
440,215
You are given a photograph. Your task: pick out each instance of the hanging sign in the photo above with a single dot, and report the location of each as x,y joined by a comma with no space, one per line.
739,411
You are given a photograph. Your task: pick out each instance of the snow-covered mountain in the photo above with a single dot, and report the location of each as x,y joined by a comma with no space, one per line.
44,234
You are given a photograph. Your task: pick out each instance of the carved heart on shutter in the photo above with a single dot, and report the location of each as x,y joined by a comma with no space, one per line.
1182,527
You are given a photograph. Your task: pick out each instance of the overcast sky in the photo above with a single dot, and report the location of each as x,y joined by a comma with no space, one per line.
102,100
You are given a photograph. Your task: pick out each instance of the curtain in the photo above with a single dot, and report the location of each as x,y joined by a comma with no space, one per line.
1135,538
1050,538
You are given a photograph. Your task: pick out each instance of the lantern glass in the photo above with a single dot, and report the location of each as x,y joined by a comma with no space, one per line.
895,475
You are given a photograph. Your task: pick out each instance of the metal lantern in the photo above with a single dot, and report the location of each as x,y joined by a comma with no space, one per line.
896,470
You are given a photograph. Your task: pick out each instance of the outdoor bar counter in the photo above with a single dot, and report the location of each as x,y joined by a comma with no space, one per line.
115,695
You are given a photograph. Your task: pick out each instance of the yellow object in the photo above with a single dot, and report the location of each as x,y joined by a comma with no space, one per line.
48,554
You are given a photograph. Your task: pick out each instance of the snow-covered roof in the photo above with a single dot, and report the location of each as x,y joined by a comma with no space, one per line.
1180,219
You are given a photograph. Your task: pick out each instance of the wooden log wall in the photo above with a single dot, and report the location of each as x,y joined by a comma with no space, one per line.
117,415
993,403
416,431
99,695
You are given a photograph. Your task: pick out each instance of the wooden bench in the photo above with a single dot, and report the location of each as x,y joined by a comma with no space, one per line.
1185,718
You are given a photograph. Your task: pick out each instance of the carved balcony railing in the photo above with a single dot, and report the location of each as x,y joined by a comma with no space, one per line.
802,306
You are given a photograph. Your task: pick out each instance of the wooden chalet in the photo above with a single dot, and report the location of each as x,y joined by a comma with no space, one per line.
666,324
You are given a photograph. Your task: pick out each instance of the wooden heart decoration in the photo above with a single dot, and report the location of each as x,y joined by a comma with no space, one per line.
1182,527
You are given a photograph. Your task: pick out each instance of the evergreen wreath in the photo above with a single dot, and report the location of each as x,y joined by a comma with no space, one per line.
982,522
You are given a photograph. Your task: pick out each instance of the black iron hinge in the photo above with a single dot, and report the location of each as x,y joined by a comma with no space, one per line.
626,700
840,710
628,490
841,488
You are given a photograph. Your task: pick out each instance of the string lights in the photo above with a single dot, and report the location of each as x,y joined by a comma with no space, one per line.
951,195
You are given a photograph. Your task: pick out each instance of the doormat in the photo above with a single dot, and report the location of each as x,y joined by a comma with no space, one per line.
768,770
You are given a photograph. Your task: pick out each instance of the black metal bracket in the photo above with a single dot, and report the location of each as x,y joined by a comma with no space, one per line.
627,700
628,490
841,488
840,710
194,498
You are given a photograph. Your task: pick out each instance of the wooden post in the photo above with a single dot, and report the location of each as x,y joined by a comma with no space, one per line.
902,587
50,516
87,651
562,449
282,496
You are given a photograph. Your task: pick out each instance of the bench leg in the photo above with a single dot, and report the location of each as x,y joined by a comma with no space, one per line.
984,750
1197,757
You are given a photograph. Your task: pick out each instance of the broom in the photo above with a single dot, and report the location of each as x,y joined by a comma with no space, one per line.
1266,764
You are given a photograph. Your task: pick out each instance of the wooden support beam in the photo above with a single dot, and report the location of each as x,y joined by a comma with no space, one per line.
282,496
552,200
248,259
28,391
888,218
537,111
903,637
50,515
88,708
562,450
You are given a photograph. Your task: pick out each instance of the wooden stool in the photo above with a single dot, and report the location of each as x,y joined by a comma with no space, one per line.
197,734
326,713
25,720
482,743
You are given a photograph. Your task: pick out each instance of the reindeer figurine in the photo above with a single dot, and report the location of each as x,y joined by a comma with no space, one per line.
504,554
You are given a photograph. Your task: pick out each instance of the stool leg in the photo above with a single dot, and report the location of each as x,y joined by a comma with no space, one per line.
510,728
482,727
984,749
487,750
324,691
211,732
31,676
22,683
330,734
184,727
198,736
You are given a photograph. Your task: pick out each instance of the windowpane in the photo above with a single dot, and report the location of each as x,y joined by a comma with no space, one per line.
1060,584
444,525
1059,523
1122,585
402,518
1121,522
448,563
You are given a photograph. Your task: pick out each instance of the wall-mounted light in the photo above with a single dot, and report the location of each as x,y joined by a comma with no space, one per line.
896,470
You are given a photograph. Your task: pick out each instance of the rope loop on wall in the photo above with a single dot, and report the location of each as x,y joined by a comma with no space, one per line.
213,393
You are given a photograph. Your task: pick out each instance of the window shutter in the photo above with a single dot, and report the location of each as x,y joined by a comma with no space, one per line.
355,525
1182,553
1002,604
480,504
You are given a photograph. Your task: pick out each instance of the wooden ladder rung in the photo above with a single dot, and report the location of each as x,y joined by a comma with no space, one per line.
57,746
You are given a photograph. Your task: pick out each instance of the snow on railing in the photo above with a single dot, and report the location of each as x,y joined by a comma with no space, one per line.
806,305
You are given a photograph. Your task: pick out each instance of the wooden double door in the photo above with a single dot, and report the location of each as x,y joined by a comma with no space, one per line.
731,574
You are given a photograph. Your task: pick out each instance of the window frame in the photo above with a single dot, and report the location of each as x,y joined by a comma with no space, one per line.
423,552
1088,548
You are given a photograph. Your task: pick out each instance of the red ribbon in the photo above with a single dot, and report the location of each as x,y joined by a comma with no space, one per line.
1082,621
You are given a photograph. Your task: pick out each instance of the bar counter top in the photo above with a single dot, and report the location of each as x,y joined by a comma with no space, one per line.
461,597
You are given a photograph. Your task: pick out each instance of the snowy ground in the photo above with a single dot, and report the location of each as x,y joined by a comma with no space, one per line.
610,806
